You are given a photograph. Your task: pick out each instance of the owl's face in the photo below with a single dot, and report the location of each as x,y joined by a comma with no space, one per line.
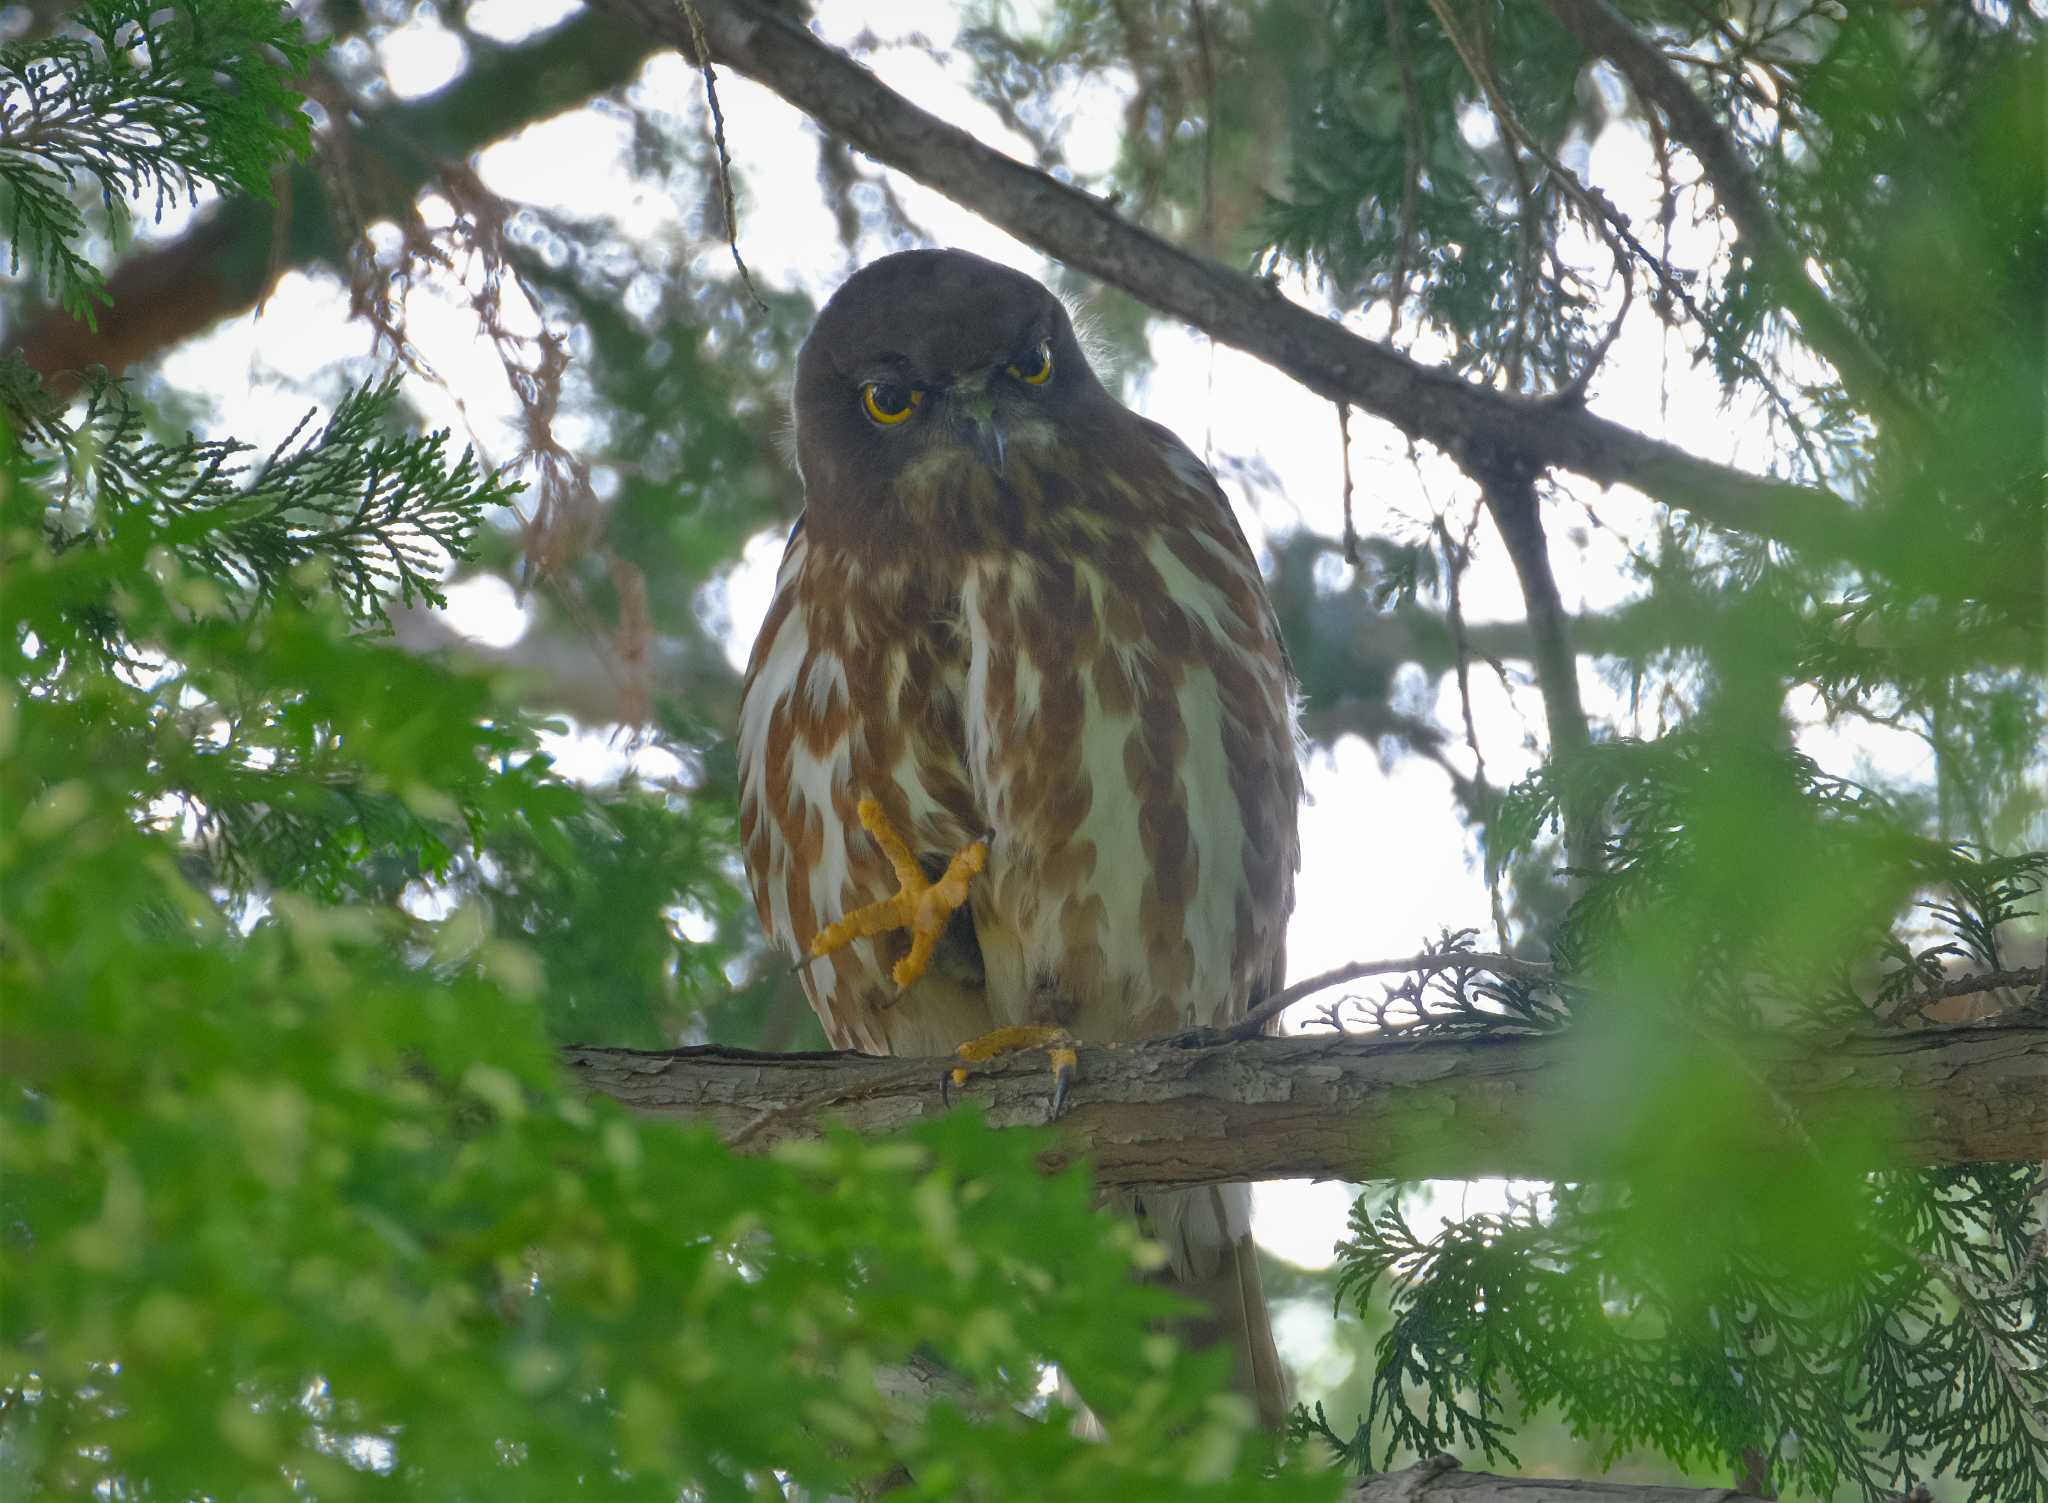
935,374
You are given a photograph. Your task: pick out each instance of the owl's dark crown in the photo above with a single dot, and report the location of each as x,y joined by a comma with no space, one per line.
936,369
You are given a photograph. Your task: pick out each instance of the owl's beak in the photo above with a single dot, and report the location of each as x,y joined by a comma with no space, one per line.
980,410
989,439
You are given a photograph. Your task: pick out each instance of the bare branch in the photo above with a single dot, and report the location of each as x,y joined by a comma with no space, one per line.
1241,310
1176,1112
700,53
1254,1022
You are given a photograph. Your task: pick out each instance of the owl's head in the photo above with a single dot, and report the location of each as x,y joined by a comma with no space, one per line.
935,371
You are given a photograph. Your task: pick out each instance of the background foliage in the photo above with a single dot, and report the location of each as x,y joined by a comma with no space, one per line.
293,906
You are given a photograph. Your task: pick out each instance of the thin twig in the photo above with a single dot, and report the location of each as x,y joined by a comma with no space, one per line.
1206,57
732,213
1411,161
1601,216
1254,1022
1574,390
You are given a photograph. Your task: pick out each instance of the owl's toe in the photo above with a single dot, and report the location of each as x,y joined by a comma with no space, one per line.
919,904
1059,1045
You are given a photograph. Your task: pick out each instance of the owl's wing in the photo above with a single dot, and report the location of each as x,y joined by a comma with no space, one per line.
1220,520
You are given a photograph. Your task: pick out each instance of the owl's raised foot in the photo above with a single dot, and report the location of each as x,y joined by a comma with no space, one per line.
1059,1045
919,904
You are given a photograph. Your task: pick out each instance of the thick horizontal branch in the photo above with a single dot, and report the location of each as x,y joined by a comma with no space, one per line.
1353,1107
1472,423
1440,1478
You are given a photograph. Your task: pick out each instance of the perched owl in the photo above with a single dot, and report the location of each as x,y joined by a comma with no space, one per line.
1021,620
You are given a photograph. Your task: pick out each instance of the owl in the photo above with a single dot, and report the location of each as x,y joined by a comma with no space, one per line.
1019,643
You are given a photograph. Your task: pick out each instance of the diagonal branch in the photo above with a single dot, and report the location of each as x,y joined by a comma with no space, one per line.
1253,315
1181,1112
1604,32
1510,496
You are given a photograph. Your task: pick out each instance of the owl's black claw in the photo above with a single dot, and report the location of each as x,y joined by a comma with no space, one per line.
1063,1062
1056,1042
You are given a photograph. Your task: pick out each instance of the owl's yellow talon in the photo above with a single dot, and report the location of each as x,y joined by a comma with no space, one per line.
918,904
1057,1042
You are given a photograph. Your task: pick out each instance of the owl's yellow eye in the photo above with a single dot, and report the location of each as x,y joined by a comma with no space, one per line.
888,403
1036,367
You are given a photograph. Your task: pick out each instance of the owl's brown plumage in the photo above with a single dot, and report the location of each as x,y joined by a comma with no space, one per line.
1013,608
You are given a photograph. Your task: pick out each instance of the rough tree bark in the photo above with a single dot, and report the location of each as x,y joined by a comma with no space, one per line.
1441,1478
1182,1112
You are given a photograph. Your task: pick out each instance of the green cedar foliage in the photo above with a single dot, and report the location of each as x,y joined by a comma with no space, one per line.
1729,1276
294,1200
1844,1325
141,100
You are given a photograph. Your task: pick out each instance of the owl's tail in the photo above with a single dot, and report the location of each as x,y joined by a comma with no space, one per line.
1210,1258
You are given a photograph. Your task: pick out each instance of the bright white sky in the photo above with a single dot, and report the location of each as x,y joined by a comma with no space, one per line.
1385,860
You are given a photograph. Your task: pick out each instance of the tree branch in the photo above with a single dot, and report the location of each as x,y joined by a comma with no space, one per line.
1510,496
1604,32
1253,1023
1241,310
1441,1478
1182,1112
